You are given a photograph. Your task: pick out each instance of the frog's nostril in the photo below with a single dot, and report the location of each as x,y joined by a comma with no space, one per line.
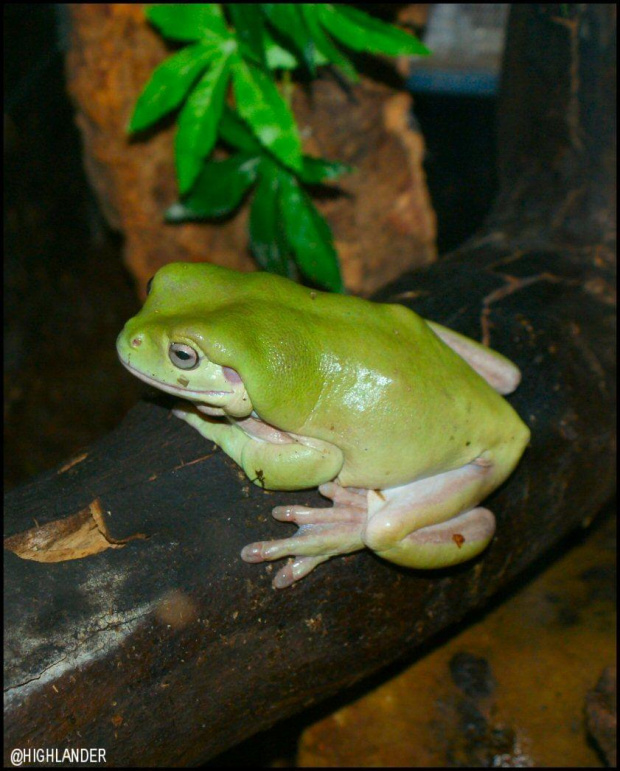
136,342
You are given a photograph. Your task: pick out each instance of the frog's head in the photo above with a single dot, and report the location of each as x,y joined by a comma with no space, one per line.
166,345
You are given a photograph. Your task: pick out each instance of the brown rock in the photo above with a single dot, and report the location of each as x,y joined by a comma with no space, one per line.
383,224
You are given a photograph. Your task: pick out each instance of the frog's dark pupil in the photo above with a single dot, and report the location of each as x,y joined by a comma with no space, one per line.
183,355
148,284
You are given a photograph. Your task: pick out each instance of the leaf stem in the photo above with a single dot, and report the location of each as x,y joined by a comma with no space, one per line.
287,87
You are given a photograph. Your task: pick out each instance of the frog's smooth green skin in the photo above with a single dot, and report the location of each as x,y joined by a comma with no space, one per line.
399,420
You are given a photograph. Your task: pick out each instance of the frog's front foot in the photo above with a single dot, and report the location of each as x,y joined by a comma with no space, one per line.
322,533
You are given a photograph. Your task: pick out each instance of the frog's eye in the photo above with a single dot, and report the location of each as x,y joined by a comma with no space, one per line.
183,356
149,284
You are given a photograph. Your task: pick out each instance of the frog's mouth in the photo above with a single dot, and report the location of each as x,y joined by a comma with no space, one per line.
179,390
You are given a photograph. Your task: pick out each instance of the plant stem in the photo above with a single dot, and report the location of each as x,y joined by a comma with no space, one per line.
287,87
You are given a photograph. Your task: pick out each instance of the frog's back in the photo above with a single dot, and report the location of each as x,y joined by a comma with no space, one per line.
404,404
371,378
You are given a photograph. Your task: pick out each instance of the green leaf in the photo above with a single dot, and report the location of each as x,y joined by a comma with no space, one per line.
198,123
309,235
188,21
288,19
267,239
218,190
260,104
325,49
169,84
278,58
236,132
317,170
248,22
362,32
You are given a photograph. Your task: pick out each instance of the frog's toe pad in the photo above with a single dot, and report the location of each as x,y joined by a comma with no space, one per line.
296,569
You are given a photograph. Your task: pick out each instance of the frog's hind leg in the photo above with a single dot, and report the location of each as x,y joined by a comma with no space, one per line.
499,372
433,522
449,543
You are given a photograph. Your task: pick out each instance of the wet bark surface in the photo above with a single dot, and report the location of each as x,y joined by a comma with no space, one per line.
166,648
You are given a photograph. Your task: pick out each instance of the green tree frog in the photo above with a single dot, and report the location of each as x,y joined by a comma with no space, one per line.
399,420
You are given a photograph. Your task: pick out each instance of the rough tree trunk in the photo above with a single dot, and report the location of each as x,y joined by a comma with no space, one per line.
163,647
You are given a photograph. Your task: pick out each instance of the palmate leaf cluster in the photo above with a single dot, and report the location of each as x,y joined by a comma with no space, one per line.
244,49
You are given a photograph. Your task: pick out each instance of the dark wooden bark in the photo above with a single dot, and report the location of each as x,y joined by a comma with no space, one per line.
171,649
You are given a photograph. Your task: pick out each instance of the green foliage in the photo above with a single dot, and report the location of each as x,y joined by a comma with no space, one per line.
247,49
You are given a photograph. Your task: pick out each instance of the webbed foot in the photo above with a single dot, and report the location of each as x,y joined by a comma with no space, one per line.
322,533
